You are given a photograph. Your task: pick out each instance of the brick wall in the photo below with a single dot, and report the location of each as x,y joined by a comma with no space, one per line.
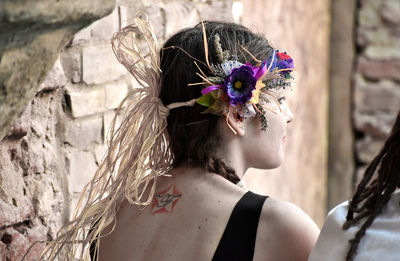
58,142
377,76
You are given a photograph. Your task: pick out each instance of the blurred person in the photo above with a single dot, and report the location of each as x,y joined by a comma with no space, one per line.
211,105
368,226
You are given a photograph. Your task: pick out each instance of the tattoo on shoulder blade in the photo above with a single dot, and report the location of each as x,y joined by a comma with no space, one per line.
166,200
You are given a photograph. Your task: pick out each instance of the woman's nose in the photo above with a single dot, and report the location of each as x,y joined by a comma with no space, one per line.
289,115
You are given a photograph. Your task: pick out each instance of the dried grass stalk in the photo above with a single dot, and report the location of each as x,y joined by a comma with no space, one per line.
138,150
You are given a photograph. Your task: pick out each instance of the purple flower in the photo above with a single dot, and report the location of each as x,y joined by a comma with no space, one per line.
286,64
240,84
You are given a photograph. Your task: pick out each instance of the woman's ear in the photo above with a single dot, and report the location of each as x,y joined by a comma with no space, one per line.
235,123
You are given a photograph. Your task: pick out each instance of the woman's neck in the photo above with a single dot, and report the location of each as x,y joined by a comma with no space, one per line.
232,155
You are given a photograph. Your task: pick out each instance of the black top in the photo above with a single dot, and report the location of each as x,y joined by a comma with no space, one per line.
239,238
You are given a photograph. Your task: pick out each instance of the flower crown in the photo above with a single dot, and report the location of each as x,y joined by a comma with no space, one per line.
236,86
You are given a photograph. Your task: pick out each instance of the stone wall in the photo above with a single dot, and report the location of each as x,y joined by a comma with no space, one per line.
376,99
58,142
30,42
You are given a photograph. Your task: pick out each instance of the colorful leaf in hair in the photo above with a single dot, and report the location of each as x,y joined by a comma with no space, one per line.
206,100
216,108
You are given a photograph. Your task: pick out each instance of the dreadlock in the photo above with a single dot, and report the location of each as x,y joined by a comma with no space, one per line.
372,195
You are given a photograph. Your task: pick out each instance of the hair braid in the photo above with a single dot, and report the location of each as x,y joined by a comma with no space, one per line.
372,214
218,166
371,197
360,192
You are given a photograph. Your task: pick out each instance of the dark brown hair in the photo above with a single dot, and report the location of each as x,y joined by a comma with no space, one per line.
372,195
194,135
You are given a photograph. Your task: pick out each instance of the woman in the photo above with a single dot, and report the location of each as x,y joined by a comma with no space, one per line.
177,194
368,227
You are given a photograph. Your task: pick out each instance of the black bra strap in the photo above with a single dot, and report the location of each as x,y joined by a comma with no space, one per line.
239,238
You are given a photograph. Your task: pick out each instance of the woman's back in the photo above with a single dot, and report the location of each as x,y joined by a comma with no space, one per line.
191,225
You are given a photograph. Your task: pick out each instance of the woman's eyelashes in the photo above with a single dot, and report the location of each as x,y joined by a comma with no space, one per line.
281,100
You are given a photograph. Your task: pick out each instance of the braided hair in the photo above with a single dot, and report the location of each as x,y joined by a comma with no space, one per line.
372,195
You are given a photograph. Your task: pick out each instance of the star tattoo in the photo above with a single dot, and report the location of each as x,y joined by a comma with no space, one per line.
166,200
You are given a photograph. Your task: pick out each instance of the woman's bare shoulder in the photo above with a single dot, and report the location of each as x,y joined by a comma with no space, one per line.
287,230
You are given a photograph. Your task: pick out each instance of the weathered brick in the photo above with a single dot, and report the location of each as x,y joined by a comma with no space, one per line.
105,27
157,16
100,65
83,36
208,8
71,62
179,14
128,10
15,207
388,53
21,126
44,107
86,101
81,132
3,251
369,13
102,29
115,93
21,238
34,153
38,232
41,144
48,199
368,148
82,167
55,78
376,96
379,37
11,214
390,12
377,125
379,69
124,11
18,245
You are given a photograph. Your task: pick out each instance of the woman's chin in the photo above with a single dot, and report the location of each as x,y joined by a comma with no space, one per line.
270,163
276,164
